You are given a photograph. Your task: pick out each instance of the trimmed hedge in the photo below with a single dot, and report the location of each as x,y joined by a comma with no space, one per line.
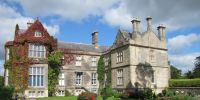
184,82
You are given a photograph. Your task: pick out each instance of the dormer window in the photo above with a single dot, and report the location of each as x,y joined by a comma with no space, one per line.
38,34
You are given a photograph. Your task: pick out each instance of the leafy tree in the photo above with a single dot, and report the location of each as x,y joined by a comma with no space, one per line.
175,73
53,71
101,73
196,71
189,74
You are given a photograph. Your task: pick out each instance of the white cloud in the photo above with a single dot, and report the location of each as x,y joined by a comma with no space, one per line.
178,43
184,62
67,9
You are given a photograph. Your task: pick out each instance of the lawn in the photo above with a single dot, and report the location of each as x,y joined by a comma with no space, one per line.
70,98
59,98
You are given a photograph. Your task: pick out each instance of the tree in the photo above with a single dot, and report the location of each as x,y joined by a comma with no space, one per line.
101,73
189,74
54,63
175,73
196,71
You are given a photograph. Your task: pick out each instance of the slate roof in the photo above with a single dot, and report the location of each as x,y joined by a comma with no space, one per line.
82,47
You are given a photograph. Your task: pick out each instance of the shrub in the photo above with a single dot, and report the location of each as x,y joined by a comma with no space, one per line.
184,83
140,94
87,96
6,93
67,93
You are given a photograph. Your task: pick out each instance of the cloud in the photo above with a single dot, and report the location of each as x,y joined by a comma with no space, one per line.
178,43
76,10
184,62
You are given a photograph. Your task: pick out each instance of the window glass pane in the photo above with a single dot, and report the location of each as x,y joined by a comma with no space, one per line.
38,80
42,80
30,80
34,70
34,80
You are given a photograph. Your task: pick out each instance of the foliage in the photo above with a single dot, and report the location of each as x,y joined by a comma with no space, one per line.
175,73
53,71
145,94
170,95
196,71
6,93
189,75
107,91
101,73
184,82
87,96
67,93
1,81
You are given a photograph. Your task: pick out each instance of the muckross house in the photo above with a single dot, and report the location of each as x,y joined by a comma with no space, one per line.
137,59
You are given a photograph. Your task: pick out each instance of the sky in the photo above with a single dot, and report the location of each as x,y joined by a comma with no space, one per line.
75,20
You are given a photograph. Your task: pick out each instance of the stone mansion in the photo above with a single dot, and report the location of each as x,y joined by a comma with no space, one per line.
137,59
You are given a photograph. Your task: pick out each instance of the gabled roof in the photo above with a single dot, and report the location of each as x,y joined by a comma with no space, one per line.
81,47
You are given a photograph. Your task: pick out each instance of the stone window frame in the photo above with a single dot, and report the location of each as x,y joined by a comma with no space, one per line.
36,73
120,56
78,60
40,93
120,79
78,78
61,80
93,61
31,93
94,78
61,93
106,60
36,51
37,34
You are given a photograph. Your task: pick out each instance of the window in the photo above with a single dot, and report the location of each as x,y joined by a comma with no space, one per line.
40,93
152,56
94,90
38,34
152,77
94,60
78,78
61,93
106,61
37,51
119,76
94,79
31,94
78,60
61,79
36,76
7,54
119,57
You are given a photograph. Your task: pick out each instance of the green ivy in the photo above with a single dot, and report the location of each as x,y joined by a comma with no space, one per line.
53,71
101,73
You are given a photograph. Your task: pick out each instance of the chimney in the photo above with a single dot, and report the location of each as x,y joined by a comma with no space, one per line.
29,23
149,23
16,30
136,25
95,39
161,31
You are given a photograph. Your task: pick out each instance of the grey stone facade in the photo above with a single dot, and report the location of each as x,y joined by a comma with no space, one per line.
138,60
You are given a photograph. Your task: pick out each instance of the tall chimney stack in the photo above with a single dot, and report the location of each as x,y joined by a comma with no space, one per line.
95,39
136,25
161,31
149,23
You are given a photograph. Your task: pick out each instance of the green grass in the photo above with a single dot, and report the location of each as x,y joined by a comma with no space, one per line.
59,98
184,82
70,98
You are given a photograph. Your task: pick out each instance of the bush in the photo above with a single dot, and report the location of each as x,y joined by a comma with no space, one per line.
184,83
6,93
67,93
140,94
87,96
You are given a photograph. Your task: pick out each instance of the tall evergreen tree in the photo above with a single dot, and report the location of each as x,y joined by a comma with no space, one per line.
101,73
175,73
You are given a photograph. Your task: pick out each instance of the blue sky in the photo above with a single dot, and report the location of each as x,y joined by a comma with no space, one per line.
75,20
